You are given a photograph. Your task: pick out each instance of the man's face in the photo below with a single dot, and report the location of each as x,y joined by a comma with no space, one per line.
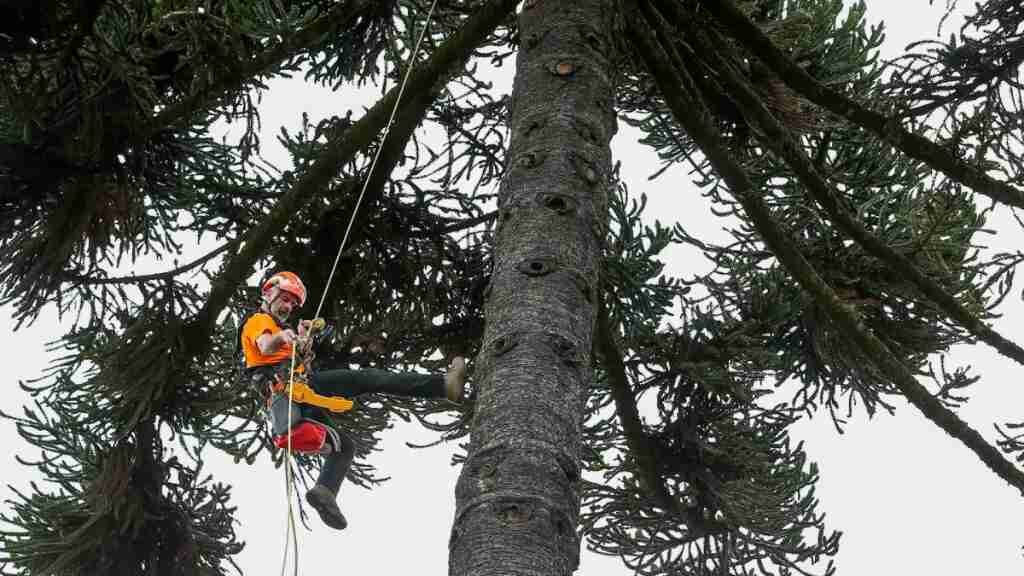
282,305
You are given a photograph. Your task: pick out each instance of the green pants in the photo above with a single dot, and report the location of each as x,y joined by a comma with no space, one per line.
352,383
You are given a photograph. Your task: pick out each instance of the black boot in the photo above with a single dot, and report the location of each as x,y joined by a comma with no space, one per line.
325,503
323,496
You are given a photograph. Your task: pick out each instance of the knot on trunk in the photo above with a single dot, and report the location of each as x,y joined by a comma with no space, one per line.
565,349
535,267
531,159
514,514
564,67
561,204
503,344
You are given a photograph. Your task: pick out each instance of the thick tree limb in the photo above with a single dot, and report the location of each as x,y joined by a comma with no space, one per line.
138,279
629,416
680,93
781,141
342,147
636,439
888,129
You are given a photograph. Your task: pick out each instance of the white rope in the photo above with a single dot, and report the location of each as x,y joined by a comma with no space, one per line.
376,156
291,531
289,482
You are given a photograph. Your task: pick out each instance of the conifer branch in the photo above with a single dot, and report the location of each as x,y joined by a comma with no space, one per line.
636,439
970,92
781,141
339,17
681,96
444,227
343,144
888,129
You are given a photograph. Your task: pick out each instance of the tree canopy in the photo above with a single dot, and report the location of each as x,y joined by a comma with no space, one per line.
856,193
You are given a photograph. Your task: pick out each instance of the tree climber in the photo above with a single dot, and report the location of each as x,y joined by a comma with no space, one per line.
267,341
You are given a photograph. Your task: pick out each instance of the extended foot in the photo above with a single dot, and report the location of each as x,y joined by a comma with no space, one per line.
455,380
324,501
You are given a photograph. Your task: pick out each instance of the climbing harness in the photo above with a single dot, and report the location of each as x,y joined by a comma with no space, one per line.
301,393
304,431
290,441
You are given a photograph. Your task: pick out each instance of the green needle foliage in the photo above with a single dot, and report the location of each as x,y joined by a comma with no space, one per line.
112,156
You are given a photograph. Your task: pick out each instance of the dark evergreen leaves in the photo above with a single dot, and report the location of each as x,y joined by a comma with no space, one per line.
108,155
739,495
967,90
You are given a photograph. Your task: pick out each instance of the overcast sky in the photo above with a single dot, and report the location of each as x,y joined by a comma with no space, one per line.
908,498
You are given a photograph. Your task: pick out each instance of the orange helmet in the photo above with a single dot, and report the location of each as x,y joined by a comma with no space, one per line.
287,281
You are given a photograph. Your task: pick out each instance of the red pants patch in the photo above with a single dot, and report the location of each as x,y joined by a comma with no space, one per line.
306,437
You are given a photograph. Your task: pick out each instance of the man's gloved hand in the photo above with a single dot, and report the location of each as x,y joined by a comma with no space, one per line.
311,327
310,331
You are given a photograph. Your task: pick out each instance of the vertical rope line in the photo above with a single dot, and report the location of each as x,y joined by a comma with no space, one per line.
289,479
376,157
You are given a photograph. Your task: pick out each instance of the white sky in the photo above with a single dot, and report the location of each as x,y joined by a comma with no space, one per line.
908,498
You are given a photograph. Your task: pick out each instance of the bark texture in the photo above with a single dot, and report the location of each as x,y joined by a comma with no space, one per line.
517,499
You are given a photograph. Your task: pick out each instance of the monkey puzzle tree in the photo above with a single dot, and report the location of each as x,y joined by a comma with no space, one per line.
852,262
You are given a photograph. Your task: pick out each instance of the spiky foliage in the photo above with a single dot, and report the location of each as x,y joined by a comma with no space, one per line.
966,89
110,156
745,323
711,480
127,105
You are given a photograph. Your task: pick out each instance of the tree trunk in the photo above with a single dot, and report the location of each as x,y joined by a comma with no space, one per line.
517,499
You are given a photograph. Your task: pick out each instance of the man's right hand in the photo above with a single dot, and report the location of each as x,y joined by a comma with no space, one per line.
286,336
268,344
